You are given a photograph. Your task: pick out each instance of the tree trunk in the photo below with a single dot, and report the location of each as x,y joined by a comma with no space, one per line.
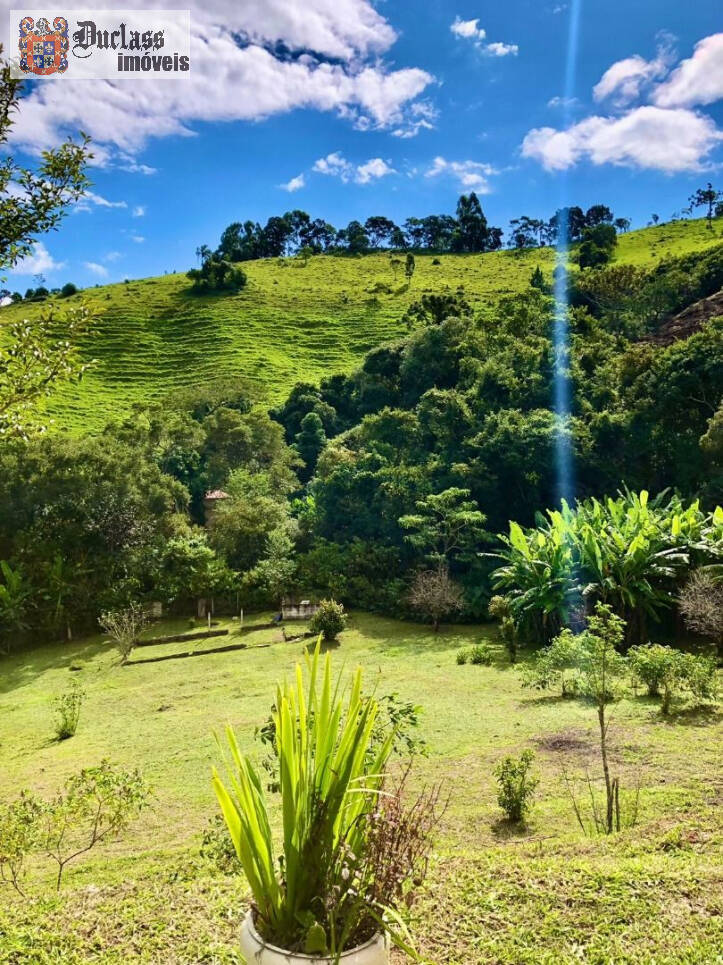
606,771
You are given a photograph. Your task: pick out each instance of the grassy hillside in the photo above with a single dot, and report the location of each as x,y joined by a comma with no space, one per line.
292,322
545,894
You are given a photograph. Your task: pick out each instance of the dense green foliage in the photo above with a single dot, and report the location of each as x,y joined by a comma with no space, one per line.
357,487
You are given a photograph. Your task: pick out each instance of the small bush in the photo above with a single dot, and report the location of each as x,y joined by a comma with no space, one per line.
217,846
462,656
670,673
436,261
124,627
516,786
329,620
481,655
68,289
67,709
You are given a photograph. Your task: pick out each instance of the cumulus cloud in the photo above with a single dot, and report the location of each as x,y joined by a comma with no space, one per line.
471,30
295,184
139,211
37,262
468,29
139,239
336,165
646,137
259,58
100,270
697,80
625,80
501,50
471,175
665,134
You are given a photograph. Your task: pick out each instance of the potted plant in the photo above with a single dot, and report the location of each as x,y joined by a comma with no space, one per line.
351,850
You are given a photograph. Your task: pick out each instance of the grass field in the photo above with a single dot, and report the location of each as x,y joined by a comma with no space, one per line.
292,322
652,894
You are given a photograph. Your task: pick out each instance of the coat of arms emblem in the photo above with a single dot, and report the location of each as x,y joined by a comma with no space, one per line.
42,50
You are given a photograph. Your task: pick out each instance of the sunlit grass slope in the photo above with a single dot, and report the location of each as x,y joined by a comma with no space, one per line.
541,895
292,322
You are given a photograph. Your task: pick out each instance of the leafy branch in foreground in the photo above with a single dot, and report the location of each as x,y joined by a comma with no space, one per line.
35,358
33,202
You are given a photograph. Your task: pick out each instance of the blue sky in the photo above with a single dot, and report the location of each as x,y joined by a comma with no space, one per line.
394,109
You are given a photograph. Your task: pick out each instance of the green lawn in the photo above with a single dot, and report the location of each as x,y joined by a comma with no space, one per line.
292,322
653,894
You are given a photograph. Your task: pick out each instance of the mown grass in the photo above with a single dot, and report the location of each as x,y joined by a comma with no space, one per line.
292,322
545,893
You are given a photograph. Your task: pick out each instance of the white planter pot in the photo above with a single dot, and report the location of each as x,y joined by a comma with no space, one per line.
259,952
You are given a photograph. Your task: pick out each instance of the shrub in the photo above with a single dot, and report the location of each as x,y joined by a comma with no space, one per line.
499,608
671,673
124,627
67,708
68,289
96,804
481,655
217,275
350,860
650,664
19,836
462,656
435,595
516,786
329,620
217,846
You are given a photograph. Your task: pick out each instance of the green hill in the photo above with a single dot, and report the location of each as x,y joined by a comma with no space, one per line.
293,321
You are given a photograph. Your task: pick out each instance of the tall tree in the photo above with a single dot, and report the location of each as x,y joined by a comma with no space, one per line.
471,224
705,198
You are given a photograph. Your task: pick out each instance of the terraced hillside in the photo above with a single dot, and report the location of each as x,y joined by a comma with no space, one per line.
293,320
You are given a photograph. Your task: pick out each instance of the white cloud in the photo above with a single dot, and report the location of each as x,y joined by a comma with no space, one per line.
665,135
112,256
336,165
90,198
139,211
501,50
697,80
331,61
100,270
646,137
467,29
139,239
625,80
471,175
135,168
37,262
420,117
295,184
471,30
565,102
374,169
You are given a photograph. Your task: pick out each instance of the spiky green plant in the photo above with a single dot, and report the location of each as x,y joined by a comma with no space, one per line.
329,784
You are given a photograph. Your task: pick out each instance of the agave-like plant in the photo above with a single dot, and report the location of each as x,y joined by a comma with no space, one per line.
329,783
